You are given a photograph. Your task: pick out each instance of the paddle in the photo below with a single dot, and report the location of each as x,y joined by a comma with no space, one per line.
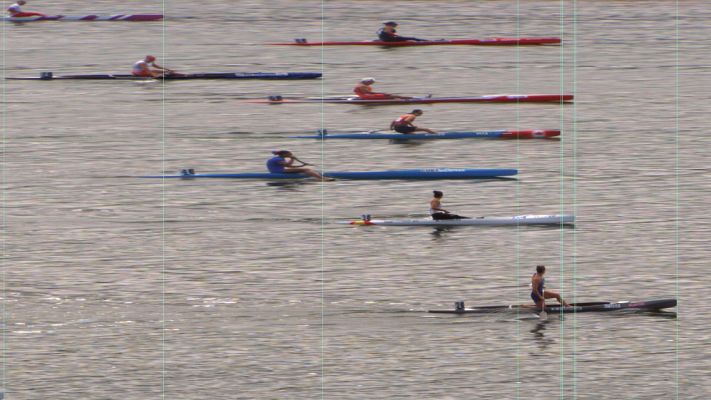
543,314
311,172
303,164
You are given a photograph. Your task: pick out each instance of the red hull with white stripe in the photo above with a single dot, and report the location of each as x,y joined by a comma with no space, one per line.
118,17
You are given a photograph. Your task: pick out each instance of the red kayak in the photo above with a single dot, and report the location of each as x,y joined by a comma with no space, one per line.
116,17
499,98
470,42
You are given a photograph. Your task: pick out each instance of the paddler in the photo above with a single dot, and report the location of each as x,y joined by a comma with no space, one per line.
149,69
538,292
364,91
404,123
436,210
16,12
388,34
283,163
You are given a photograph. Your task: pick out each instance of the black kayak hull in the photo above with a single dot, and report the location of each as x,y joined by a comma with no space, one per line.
600,306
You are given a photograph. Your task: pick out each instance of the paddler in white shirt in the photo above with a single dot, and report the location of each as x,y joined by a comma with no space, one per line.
149,69
16,12
436,210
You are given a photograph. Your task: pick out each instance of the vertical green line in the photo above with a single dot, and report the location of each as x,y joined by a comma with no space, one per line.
574,132
4,322
676,199
562,197
163,212
323,237
518,205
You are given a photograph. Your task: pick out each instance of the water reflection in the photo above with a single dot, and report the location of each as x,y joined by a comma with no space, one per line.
439,232
539,337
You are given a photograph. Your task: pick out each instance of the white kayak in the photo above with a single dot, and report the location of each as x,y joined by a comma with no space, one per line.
491,221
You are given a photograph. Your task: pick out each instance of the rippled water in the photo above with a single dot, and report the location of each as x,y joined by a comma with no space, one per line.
120,287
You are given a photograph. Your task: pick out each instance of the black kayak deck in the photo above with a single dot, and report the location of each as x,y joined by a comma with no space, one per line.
599,306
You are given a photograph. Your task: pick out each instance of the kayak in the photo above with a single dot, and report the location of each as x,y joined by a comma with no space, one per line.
472,42
405,174
598,306
496,98
48,76
118,17
528,134
479,221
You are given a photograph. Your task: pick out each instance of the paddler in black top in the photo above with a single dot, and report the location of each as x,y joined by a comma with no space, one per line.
388,34
436,210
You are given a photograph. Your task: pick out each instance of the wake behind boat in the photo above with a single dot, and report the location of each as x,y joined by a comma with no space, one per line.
117,17
405,174
480,221
497,41
598,306
525,134
496,98
49,76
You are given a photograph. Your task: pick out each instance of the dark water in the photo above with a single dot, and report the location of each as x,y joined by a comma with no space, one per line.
119,287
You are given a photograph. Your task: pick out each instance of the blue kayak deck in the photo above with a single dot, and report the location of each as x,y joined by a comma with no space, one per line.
407,174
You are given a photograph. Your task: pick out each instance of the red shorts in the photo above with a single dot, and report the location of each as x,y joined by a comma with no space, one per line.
144,74
28,14
375,96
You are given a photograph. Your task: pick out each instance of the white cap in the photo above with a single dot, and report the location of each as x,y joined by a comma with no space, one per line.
364,80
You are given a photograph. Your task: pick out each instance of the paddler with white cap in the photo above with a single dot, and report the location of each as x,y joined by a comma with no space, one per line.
16,12
364,91
149,69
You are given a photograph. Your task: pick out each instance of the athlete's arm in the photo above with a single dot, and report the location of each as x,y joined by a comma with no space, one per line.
156,66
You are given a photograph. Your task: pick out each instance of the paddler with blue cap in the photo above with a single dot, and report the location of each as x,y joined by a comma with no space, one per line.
388,34
283,163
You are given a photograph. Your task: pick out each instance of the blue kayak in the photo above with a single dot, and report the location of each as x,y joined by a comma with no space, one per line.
409,174
527,134
48,76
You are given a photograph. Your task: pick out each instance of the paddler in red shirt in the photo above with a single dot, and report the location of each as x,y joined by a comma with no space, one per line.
404,124
364,91
15,11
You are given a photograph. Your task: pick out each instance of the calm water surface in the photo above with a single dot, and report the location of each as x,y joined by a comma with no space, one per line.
120,287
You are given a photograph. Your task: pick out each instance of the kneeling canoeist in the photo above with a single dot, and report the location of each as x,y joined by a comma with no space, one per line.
538,294
404,123
436,210
364,91
388,34
16,12
283,163
149,69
